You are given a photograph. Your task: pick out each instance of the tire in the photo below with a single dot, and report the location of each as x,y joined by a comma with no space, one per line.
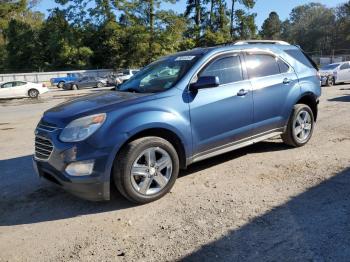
60,84
33,93
133,157
99,85
75,87
299,132
330,81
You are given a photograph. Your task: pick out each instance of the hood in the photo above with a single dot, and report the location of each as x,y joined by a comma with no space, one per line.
103,101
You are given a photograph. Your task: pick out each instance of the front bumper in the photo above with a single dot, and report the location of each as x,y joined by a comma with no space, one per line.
95,187
89,189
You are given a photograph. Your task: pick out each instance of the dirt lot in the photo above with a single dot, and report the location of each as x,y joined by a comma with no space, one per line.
266,202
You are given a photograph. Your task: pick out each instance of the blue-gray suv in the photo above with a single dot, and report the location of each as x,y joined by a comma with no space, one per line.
176,111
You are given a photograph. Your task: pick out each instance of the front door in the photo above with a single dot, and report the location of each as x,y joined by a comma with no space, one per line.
223,114
344,73
6,90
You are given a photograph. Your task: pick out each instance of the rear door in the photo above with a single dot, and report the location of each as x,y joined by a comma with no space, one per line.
344,73
272,81
92,81
84,82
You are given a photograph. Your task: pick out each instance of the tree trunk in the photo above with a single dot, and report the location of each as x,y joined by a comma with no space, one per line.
198,18
211,14
232,17
151,29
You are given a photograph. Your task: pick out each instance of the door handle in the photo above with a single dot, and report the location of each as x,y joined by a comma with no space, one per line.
242,92
286,81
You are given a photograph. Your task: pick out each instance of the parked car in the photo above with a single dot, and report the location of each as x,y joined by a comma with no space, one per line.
336,73
84,82
126,75
60,81
210,101
14,89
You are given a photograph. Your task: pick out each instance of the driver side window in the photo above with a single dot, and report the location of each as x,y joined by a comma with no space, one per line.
8,85
227,69
345,66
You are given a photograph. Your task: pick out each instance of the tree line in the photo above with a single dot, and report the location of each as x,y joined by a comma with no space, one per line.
81,34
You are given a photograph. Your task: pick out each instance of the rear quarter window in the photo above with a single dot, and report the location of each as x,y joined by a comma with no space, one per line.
302,58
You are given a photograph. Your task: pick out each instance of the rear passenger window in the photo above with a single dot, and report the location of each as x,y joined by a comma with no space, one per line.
228,69
259,65
19,83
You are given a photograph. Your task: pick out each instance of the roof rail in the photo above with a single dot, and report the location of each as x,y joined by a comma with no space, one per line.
249,42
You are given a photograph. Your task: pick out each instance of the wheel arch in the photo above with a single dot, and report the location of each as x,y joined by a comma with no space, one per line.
310,100
166,134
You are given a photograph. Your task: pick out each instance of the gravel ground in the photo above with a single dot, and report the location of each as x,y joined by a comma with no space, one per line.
266,202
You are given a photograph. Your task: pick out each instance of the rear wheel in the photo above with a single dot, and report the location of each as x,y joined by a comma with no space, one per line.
99,85
75,87
146,169
33,93
300,126
60,84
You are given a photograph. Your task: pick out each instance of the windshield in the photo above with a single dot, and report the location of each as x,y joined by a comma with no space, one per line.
329,67
160,75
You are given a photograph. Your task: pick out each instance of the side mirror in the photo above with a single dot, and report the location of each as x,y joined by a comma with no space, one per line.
205,82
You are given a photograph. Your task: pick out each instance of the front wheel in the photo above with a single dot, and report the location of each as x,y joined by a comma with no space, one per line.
300,126
330,81
146,169
99,85
75,87
60,84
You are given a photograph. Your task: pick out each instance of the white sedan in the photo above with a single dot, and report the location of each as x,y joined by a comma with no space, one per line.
14,89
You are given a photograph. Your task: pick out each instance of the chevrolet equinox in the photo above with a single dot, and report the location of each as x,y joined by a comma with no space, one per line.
176,111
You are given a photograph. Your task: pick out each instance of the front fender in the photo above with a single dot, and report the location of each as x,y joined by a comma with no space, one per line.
121,128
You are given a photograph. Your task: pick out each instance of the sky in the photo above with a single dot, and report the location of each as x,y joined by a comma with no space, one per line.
262,7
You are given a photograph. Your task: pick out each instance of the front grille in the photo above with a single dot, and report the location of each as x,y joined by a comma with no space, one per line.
43,125
43,148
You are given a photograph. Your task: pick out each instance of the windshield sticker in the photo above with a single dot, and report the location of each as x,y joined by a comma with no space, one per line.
185,58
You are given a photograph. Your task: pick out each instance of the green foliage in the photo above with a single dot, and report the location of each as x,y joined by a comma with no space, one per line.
272,27
131,33
246,25
319,23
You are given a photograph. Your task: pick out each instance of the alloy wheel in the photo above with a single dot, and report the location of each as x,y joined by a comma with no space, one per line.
151,171
303,126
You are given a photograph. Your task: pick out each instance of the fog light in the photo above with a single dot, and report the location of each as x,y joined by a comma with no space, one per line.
82,168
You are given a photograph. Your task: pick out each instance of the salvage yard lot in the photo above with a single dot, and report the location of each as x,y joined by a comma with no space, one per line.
264,202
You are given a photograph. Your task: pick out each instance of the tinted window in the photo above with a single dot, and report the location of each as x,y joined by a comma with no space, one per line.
345,66
228,69
301,57
283,66
259,65
19,83
7,85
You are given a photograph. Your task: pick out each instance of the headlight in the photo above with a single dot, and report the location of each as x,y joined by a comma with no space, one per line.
82,128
